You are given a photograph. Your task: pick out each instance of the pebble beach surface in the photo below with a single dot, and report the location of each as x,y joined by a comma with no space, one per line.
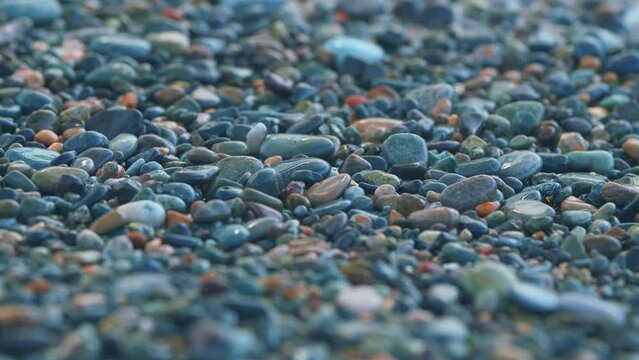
319,180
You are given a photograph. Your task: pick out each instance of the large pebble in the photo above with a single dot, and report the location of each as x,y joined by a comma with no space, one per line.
360,300
114,123
405,149
35,157
519,164
143,211
426,218
347,46
468,193
46,179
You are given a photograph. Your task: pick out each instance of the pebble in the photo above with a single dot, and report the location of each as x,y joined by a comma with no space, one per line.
232,236
429,96
595,160
526,209
359,300
490,276
466,194
86,140
346,46
426,218
519,164
40,11
328,190
47,179
143,211
405,149
375,129
234,167
116,123
289,145
35,157
121,45
586,308
534,298
523,116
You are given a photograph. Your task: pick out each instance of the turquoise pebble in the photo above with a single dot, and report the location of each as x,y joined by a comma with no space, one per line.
35,157
347,46
598,161
405,148
230,237
289,145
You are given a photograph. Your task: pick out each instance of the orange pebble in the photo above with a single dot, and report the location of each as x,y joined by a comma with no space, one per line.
272,160
173,218
90,269
38,286
308,231
354,100
539,235
610,77
46,137
57,147
590,62
486,208
453,119
362,219
584,97
130,100
259,86
443,107
383,91
396,218
71,132
535,69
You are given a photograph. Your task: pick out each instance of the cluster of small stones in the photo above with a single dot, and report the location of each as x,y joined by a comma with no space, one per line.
347,179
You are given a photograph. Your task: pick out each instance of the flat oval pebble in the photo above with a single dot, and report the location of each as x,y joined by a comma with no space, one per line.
287,168
375,129
40,11
124,45
46,179
360,300
143,211
113,123
587,308
596,160
468,193
519,164
347,46
35,157
525,209
426,218
534,298
328,190
289,145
